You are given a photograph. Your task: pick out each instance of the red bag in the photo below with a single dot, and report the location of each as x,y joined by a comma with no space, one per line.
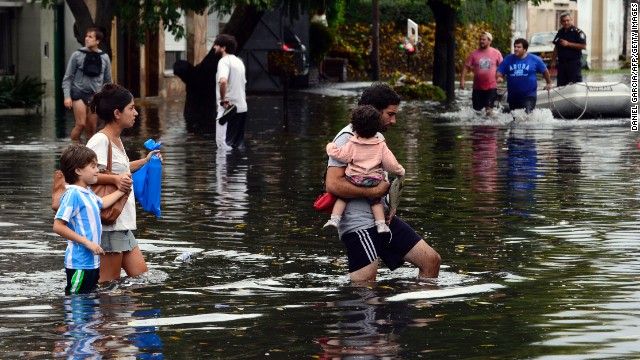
325,202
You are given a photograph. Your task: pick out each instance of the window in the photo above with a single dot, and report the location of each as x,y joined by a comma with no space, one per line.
174,49
170,57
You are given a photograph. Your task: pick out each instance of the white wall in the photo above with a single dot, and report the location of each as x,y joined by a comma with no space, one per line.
585,20
519,22
31,59
614,27
213,27
612,22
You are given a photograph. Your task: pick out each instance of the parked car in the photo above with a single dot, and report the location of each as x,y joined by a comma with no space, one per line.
541,44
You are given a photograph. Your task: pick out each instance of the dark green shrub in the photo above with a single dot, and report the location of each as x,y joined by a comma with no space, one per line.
25,93
414,89
321,40
354,36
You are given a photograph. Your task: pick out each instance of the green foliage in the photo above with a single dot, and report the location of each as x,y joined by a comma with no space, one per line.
498,14
420,91
391,11
353,43
26,93
321,40
151,13
335,11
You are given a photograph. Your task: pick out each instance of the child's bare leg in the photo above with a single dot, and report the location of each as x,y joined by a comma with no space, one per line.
378,215
339,206
336,214
378,212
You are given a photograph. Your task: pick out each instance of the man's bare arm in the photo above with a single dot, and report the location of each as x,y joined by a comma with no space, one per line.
339,186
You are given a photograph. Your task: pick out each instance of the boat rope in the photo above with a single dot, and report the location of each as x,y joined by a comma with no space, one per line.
553,104
586,101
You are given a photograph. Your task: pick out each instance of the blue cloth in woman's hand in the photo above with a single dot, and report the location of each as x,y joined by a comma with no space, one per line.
147,181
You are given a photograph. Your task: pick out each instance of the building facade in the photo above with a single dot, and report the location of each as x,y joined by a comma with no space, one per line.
601,20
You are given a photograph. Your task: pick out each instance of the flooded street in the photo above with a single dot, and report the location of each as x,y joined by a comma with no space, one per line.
537,222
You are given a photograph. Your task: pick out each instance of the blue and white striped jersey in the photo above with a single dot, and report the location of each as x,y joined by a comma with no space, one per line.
80,208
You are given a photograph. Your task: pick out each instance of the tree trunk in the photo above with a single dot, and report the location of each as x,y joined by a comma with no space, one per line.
82,16
375,41
200,80
444,56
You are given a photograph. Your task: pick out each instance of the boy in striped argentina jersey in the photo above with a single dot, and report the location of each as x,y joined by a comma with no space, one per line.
78,218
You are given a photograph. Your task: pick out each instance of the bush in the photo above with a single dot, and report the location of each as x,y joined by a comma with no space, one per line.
321,40
26,93
354,44
353,38
411,88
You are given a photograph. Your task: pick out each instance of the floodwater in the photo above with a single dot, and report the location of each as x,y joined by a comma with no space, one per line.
536,220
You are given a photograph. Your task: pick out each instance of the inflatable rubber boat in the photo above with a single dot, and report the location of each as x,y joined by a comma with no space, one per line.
585,100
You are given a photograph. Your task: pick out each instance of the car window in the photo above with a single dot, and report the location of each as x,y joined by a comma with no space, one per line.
542,38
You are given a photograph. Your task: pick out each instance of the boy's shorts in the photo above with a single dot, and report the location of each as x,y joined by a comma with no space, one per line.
81,281
365,246
118,241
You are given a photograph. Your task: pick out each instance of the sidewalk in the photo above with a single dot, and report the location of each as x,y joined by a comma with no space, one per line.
338,89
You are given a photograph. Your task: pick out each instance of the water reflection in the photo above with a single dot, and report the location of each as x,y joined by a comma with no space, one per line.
484,163
231,188
93,330
368,328
522,161
81,331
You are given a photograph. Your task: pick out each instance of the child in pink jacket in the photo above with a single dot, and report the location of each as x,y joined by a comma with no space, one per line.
367,157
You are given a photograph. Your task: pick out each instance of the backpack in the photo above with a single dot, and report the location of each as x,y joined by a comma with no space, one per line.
92,65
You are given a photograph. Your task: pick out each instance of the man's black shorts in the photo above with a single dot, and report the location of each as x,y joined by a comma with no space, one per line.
365,246
483,98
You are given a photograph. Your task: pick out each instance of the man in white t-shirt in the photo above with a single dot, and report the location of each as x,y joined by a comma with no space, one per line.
230,93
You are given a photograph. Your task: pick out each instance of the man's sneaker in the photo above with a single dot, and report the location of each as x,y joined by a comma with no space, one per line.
330,225
383,228
227,114
395,190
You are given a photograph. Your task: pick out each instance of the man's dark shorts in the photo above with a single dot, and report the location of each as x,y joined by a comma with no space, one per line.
569,72
80,95
483,98
81,281
528,104
365,246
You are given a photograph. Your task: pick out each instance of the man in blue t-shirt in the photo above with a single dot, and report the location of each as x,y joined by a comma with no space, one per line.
521,69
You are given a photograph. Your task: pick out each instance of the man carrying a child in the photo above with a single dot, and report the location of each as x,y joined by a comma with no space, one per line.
357,229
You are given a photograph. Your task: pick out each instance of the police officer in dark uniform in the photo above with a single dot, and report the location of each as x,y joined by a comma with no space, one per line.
570,41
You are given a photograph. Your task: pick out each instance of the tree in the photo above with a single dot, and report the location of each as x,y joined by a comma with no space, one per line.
139,17
444,63
375,41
